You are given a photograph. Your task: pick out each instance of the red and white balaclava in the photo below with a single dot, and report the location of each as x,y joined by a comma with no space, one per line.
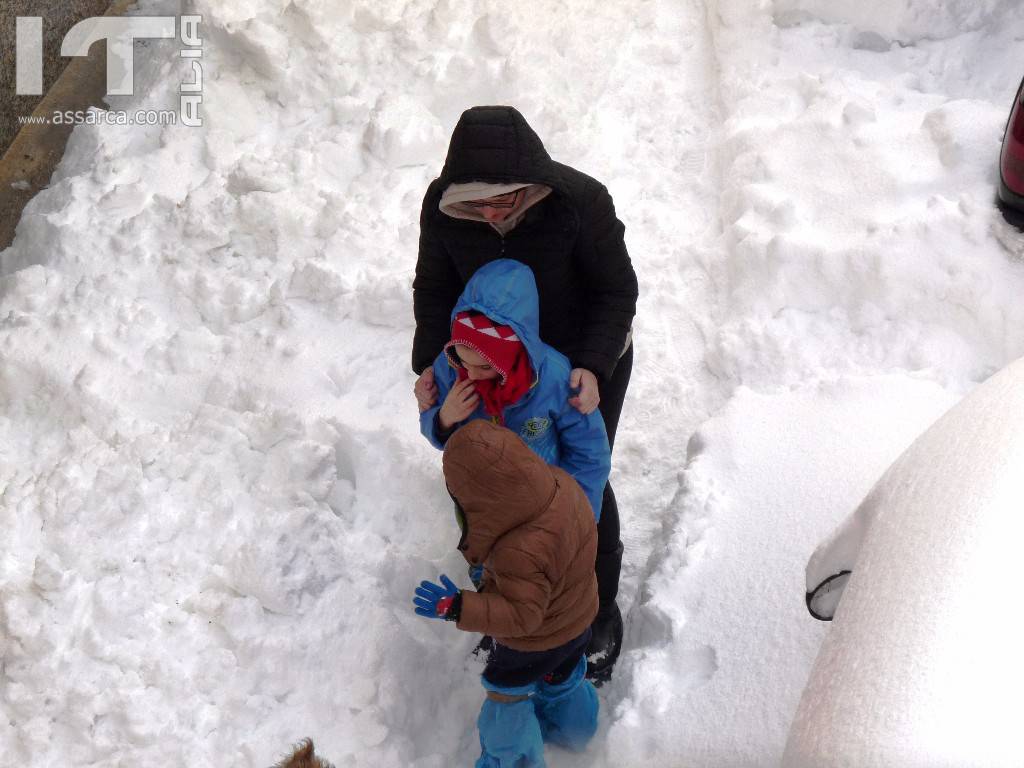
502,349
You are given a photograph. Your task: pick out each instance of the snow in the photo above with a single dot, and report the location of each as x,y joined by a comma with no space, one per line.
722,594
923,666
902,21
216,499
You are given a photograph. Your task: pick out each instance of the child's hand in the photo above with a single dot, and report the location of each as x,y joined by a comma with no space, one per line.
460,403
435,601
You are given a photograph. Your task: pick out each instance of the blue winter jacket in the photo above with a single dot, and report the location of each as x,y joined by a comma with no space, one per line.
506,292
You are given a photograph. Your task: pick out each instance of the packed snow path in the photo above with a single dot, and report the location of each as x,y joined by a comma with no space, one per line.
215,496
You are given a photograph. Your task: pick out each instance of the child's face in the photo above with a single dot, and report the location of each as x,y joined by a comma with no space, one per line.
476,366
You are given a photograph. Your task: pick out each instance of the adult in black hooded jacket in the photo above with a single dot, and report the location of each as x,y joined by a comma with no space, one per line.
565,229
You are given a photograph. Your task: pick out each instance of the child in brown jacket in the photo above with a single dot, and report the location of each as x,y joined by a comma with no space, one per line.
532,529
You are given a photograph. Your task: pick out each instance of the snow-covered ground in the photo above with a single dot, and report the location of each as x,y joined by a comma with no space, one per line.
215,497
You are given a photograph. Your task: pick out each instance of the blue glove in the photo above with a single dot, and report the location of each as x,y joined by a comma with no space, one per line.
436,602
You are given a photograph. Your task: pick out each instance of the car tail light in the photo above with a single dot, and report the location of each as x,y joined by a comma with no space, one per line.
1011,159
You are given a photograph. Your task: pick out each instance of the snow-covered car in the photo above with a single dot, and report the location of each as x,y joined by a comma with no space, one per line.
1011,160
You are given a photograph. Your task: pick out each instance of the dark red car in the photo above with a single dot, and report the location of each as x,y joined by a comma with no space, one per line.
1011,161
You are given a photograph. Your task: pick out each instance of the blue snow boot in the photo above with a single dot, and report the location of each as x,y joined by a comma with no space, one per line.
567,711
509,731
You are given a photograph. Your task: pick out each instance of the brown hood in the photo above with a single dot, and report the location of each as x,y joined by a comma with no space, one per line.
499,483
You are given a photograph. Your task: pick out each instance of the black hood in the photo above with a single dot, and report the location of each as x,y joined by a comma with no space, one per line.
497,145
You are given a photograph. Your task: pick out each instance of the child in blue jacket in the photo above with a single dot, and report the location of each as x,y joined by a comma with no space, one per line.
496,367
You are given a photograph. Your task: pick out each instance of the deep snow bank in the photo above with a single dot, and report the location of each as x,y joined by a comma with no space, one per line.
216,494
881,23
721,639
218,499
857,205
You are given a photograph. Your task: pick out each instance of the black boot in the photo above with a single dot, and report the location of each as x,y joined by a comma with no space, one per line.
606,642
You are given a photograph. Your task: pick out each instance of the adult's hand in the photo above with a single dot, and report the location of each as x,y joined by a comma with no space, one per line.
588,398
425,390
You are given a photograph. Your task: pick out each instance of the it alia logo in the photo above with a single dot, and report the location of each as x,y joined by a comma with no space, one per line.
120,34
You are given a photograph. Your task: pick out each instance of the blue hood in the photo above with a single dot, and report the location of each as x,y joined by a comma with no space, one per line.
506,292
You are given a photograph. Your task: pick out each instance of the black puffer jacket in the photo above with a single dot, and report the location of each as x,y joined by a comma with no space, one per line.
571,240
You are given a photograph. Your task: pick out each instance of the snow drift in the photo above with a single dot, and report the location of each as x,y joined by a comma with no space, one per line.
215,495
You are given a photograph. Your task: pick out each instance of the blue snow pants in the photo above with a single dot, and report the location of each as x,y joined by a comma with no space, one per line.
559,706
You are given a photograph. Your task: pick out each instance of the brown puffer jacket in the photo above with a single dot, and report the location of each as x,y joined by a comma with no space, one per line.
531,527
